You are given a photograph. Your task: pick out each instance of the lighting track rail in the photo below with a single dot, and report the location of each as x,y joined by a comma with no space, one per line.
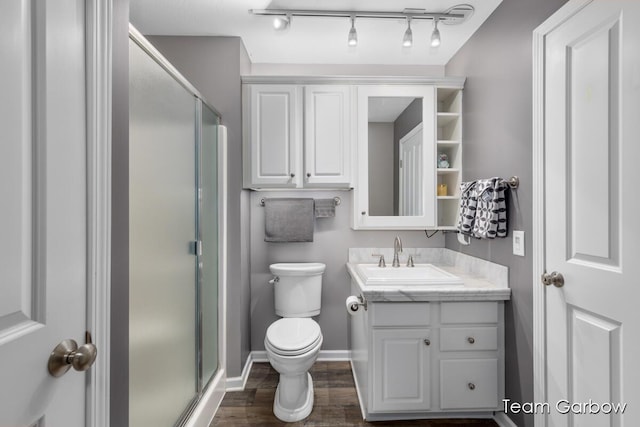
450,17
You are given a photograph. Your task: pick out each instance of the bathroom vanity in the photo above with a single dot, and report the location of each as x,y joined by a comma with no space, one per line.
428,349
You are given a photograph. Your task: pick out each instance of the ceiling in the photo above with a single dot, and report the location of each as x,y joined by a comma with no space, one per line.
313,40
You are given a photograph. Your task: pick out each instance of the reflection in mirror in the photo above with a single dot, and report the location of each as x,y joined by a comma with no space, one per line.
395,156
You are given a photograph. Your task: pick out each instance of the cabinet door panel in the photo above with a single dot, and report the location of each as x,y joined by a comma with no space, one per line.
327,128
401,370
274,133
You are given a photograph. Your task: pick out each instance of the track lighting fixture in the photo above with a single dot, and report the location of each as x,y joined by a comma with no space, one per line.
452,16
281,22
407,40
353,34
435,36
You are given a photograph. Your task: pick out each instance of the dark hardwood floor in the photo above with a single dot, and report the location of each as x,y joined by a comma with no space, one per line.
336,402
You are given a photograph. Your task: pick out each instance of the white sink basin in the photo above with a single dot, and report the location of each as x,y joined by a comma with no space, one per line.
420,275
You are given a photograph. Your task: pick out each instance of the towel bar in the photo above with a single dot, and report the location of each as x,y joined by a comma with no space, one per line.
336,200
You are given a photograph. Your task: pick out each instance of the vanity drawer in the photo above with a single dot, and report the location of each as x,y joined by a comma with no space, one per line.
401,314
455,339
469,312
469,384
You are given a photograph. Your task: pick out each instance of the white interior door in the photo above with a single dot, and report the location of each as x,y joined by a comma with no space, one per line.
592,149
43,208
411,170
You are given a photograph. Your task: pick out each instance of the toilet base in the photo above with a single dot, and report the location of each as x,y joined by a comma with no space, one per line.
297,414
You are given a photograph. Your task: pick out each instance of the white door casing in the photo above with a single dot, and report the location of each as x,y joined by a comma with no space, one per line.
55,216
587,70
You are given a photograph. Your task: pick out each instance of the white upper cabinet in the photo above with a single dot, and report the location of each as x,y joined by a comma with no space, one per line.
327,128
297,136
272,135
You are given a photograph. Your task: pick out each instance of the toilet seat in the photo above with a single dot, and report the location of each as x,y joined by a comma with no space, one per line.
293,336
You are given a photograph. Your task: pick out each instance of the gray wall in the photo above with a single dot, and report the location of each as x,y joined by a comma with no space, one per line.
497,141
381,169
332,239
214,65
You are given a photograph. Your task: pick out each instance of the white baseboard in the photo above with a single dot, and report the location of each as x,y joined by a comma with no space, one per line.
238,383
502,420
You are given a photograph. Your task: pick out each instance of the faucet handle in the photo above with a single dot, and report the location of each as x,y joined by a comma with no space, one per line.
410,261
381,262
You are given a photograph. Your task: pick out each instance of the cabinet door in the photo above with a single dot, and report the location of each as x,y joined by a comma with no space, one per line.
274,129
327,135
401,370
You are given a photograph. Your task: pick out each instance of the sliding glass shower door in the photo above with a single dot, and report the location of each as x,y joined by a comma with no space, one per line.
173,244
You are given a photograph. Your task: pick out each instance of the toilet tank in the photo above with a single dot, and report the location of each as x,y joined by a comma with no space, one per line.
298,288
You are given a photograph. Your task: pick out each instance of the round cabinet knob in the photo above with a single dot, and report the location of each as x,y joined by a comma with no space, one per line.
427,341
363,212
308,174
293,175
471,340
471,386
554,278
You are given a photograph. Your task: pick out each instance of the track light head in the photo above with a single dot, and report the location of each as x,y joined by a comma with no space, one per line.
281,22
407,40
353,34
435,36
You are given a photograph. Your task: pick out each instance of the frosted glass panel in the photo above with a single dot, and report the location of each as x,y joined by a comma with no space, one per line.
209,237
162,334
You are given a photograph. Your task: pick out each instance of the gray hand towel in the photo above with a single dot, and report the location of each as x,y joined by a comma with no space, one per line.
325,208
288,220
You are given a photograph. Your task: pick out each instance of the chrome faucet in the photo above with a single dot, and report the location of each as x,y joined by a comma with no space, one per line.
397,247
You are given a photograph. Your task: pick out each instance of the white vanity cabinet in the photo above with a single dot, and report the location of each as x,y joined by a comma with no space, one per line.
296,136
424,359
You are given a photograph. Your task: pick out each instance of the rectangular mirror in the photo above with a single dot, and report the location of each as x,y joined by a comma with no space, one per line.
395,184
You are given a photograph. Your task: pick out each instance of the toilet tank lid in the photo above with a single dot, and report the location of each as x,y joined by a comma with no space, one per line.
297,268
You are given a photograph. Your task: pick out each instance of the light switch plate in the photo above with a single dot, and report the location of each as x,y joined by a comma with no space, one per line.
518,242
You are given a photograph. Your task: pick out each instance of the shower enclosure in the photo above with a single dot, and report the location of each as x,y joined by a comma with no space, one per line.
174,211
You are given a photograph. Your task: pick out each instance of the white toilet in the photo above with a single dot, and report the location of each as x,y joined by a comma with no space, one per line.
293,342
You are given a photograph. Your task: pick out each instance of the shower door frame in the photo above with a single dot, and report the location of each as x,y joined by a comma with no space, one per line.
209,394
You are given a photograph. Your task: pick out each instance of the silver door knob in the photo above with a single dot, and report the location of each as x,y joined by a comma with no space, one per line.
554,278
67,354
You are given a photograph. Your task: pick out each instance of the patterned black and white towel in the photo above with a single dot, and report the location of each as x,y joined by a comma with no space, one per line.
491,209
468,203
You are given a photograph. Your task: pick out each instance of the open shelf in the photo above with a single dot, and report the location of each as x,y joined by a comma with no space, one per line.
449,142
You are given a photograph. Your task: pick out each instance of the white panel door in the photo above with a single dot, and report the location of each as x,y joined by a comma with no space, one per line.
411,170
401,370
275,134
43,235
326,136
592,149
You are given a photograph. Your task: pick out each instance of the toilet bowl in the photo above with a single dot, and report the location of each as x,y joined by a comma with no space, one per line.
292,346
293,342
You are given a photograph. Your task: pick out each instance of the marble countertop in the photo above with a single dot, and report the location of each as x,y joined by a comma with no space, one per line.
482,280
